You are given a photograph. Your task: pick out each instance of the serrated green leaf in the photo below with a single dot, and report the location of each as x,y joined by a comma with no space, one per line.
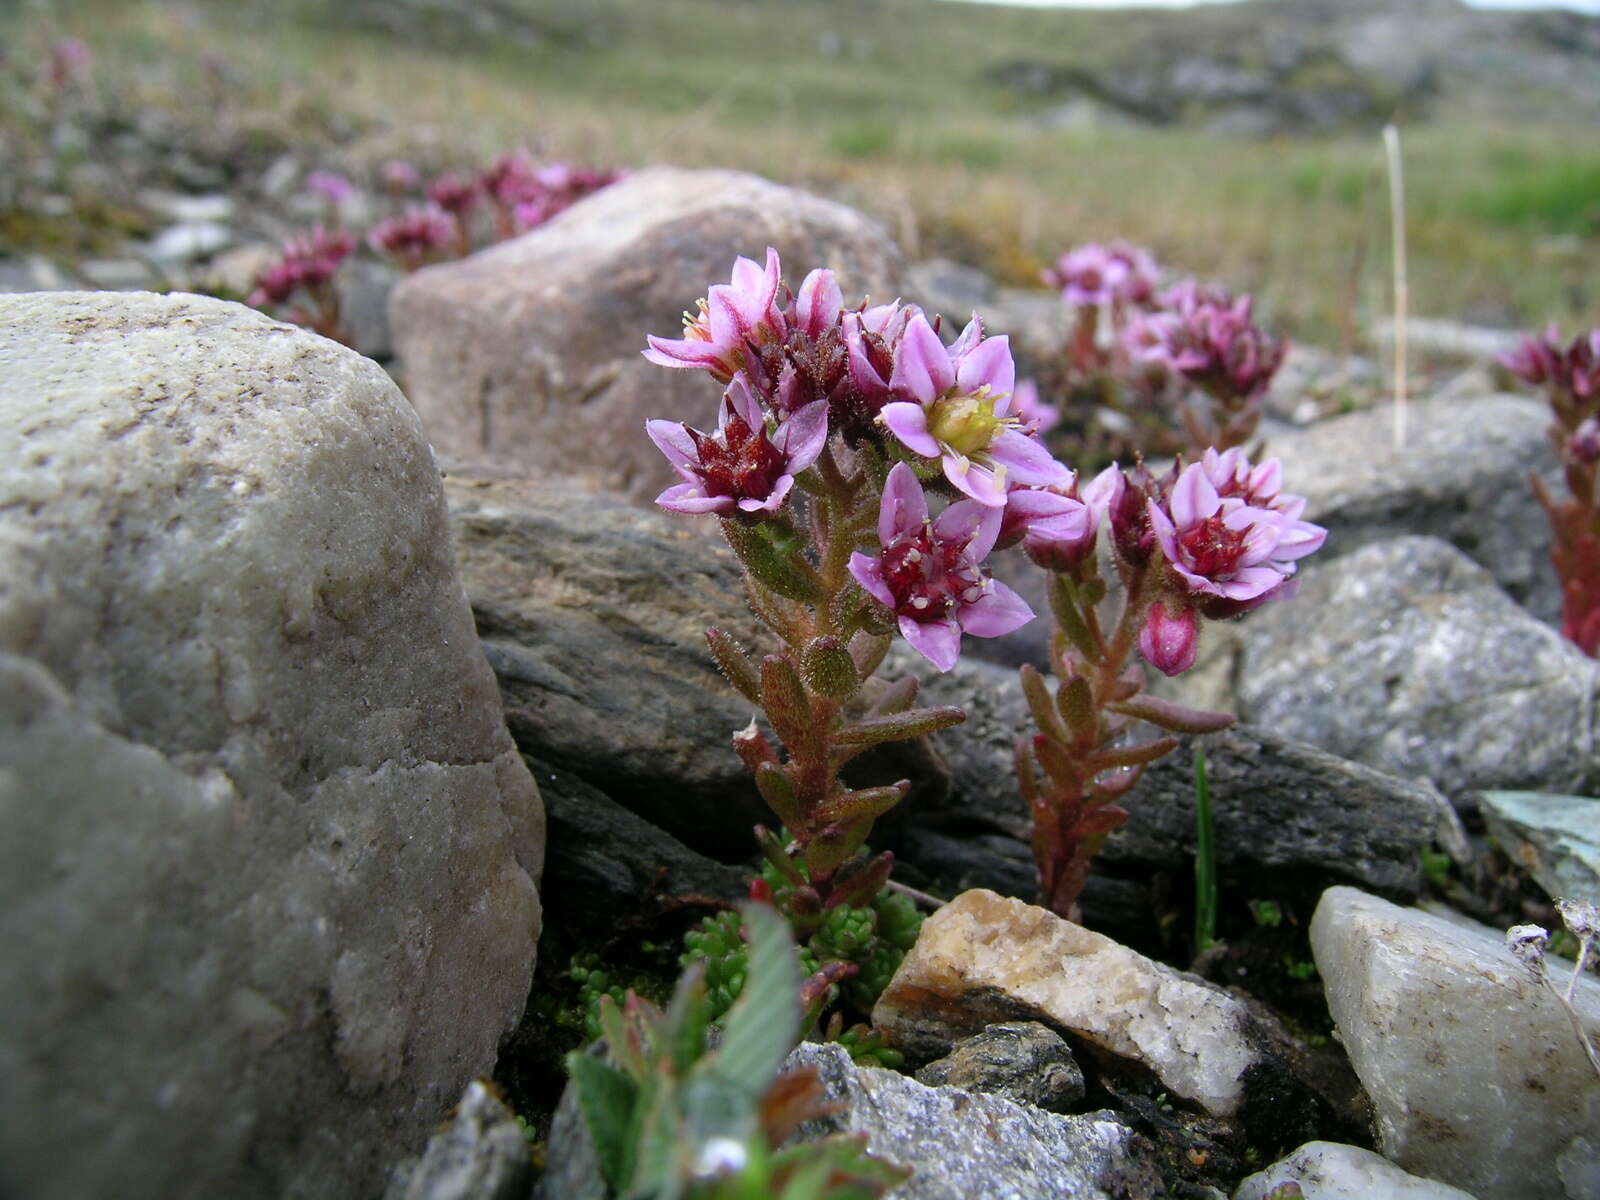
657,1168
606,1098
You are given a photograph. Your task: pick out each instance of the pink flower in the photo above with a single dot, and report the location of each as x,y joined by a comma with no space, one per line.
1063,539
417,237
1034,417
1101,276
1210,338
1170,639
955,408
734,320
70,59
330,185
454,194
309,262
1573,370
1225,547
400,177
929,573
739,468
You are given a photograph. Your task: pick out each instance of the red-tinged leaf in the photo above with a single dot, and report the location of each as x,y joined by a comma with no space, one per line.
1070,620
897,697
1027,777
868,651
783,695
1097,822
866,804
1040,704
1115,785
753,748
1179,718
1075,700
1065,771
1131,756
897,727
775,852
828,668
857,887
776,785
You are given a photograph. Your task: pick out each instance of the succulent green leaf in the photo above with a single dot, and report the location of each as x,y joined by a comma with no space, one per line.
1075,701
783,695
829,669
897,697
1179,718
775,559
1045,714
894,727
1070,620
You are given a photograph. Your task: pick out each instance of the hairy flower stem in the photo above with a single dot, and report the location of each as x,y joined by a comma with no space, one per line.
1075,749
831,646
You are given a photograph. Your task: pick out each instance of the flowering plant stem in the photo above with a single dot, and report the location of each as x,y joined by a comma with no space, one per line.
831,644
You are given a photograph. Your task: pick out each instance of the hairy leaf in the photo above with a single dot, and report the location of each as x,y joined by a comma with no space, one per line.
606,1098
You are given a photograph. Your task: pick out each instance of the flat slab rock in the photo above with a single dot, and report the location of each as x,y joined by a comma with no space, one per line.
983,958
1332,1171
267,853
963,1145
1556,839
1474,1070
528,354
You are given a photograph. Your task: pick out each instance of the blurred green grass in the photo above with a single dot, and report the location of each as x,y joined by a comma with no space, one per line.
894,106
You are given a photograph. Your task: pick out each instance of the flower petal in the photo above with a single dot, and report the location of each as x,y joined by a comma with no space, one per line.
672,439
996,613
818,305
922,368
937,641
688,498
903,508
802,437
975,479
868,573
909,423
989,364
1193,497
1027,461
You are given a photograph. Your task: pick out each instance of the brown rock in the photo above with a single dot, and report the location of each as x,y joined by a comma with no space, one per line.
529,353
983,958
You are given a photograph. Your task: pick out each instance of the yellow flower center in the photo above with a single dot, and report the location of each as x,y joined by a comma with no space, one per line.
966,422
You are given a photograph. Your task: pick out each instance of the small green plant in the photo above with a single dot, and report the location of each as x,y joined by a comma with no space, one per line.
1266,913
674,1117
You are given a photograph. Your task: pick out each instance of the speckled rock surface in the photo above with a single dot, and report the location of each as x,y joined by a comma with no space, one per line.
1407,656
1022,1061
1475,1071
963,1145
529,353
267,853
1461,476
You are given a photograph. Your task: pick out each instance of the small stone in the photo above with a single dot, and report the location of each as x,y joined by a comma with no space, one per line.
1021,1061
983,958
963,1145
1556,839
1474,1068
481,1154
188,242
1332,1171
181,209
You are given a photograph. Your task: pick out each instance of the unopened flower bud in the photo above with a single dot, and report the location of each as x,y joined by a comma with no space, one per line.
1527,944
1584,444
1170,638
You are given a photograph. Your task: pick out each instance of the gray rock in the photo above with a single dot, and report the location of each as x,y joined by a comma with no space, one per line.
952,289
1332,1171
179,208
1462,476
266,852
1021,1061
1475,1072
605,866
481,1154
593,614
1407,656
364,288
962,1145
529,353
1556,839
572,1167
187,242
1279,805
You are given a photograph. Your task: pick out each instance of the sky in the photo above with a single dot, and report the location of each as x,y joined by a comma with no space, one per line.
1589,6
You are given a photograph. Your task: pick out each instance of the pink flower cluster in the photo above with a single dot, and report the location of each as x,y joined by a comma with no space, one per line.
420,235
1105,276
1573,370
308,264
1231,540
525,195
799,367
1208,337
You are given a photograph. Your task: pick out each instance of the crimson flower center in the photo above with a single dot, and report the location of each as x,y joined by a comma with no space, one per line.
739,461
1211,548
928,578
